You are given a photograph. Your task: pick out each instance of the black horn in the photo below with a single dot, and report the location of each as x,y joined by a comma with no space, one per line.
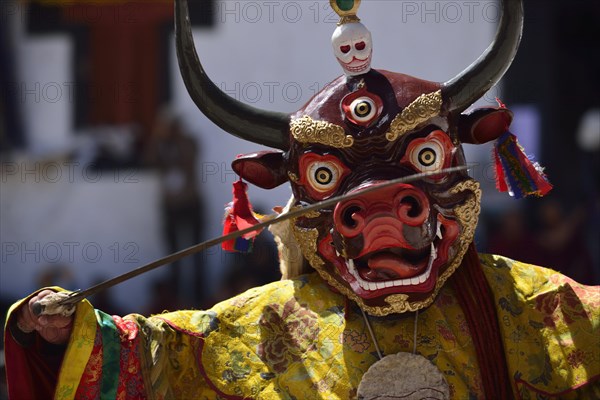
259,126
463,90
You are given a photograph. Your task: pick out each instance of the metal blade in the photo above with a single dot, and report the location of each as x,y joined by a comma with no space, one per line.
77,296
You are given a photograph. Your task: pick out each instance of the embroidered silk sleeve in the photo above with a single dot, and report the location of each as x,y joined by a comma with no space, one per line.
300,339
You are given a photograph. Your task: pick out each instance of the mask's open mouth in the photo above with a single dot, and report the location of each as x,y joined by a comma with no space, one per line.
392,264
393,268
398,270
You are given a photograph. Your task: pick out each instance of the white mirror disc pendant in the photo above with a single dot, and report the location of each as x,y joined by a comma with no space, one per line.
403,376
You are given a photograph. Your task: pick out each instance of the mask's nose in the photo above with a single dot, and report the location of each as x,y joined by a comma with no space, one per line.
398,205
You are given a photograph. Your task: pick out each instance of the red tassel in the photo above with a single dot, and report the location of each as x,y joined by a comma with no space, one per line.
239,216
500,179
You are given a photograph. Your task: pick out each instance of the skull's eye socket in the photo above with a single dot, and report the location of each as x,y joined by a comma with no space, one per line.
363,109
345,49
360,46
428,156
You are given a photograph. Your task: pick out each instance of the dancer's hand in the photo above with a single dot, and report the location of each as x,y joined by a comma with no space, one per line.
55,329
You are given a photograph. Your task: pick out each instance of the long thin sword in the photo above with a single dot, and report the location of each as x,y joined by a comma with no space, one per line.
79,295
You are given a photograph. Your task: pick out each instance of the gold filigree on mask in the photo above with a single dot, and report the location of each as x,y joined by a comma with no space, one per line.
468,213
293,177
310,214
307,130
423,108
307,240
396,299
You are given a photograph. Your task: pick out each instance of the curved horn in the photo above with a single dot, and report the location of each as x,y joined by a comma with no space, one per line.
468,86
259,126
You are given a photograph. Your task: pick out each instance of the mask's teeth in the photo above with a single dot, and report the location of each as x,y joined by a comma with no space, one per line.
416,280
439,231
350,264
433,255
337,253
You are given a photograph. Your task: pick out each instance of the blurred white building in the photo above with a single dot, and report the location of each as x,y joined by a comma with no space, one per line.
270,54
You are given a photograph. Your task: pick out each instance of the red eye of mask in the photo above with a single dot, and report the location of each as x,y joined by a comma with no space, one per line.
430,154
321,174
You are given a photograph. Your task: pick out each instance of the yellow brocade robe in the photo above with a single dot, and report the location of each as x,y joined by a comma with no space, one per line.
297,339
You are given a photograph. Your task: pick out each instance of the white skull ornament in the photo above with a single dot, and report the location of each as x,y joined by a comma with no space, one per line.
353,48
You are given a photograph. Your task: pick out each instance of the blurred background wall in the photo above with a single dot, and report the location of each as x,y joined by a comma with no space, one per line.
107,164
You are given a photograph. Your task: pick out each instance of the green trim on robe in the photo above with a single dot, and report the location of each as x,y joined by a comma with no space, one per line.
112,352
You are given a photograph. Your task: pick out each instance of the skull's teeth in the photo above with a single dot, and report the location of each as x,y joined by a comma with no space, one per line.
415,280
439,231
